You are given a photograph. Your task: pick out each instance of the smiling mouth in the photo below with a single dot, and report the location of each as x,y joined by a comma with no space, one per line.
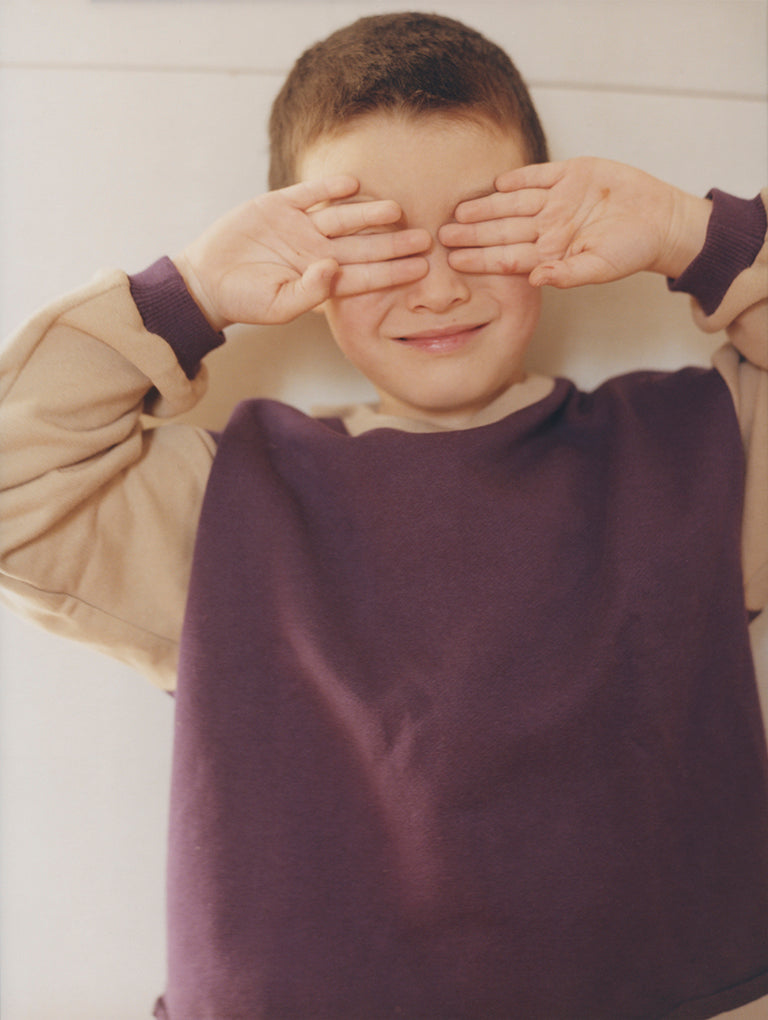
446,339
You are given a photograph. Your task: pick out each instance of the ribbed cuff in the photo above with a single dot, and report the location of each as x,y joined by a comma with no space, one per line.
735,235
169,310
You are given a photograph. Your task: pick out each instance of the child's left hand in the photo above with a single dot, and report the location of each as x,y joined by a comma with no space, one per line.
577,222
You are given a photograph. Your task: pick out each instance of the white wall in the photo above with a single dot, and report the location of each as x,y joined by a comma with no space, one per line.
125,128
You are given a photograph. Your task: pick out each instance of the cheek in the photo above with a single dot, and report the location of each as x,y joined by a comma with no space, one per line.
521,300
519,290
516,298
352,319
530,299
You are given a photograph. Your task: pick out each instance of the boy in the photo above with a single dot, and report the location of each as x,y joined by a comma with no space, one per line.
466,717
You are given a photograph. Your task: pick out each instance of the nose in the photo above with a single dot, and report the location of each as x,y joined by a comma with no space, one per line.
442,288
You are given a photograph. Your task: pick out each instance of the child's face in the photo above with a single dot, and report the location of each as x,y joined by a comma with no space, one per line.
444,347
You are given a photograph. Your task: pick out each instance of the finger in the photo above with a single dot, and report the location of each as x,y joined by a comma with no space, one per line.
535,175
503,259
326,189
349,218
487,233
498,205
396,244
364,277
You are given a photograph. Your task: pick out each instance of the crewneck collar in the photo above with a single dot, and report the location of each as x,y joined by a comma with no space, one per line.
363,417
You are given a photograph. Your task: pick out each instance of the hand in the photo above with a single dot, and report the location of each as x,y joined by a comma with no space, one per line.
278,256
577,222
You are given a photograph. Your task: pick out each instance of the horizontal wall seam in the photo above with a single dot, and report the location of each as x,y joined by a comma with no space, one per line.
271,72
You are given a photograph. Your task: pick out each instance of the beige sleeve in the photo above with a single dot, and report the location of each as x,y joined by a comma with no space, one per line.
743,363
99,510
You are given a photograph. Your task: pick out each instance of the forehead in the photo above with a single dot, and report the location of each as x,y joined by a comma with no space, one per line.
420,161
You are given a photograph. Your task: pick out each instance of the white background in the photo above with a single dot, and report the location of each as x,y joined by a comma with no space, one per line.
125,127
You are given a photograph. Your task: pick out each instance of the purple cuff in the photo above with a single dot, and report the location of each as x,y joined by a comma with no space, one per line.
168,309
735,235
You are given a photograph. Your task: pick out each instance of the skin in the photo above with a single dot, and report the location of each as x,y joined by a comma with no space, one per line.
425,242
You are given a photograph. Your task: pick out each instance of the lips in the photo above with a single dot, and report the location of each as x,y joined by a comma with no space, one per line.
443,339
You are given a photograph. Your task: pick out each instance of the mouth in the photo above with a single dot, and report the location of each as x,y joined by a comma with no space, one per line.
442,340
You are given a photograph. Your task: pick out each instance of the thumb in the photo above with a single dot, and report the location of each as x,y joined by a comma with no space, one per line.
572,271
316,283
297,296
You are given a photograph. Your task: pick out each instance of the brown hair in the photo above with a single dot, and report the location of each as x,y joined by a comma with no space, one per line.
413,63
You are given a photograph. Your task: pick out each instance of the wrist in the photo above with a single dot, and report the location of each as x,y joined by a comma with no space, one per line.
168,310
687,234
197,292
735,235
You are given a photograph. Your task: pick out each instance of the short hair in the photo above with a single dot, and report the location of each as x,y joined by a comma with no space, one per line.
414,63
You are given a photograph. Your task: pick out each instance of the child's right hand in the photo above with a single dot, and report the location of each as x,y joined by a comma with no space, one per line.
282,254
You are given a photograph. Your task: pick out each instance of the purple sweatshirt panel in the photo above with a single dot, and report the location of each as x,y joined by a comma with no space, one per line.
168,309
466,723
735,235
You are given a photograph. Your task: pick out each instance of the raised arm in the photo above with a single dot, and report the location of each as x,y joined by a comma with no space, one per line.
98,512
589,221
